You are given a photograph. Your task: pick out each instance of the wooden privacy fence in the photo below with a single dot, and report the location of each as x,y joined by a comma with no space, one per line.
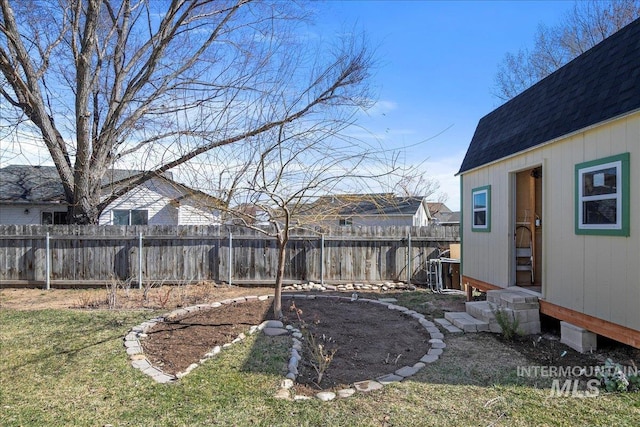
94,255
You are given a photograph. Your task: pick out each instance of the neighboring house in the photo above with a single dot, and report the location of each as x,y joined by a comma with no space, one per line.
556,170
247,214
378,209
442,215
34,195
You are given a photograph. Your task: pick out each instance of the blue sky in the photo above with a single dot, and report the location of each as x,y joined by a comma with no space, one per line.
437,64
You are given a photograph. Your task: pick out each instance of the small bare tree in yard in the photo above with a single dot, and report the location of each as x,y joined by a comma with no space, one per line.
275,185
281,181
103,83
585,25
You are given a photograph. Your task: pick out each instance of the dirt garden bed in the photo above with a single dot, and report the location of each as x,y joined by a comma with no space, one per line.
365,340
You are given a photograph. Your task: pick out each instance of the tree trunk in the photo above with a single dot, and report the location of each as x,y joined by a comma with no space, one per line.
83,213
83,209
277,300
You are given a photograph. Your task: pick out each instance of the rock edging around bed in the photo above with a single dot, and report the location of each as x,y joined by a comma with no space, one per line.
274,328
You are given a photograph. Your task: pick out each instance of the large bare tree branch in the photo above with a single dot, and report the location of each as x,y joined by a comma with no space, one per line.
162,83
20,73
352,73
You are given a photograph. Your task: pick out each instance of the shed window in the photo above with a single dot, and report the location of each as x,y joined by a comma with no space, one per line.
602,196
481,208
130,217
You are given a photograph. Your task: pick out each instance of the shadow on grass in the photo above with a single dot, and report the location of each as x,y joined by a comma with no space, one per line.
477,359
48,354
56,340
268,354
468,359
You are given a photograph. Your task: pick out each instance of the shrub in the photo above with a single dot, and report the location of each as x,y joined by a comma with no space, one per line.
509,324
320,357
613,378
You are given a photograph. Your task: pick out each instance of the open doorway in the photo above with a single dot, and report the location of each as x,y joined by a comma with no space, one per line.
528,225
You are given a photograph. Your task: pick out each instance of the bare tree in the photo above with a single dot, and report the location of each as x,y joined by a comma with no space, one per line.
284,180
418,183
585,25
274,185
112,82
288,181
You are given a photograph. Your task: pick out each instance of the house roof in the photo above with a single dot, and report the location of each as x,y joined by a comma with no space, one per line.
438,208
29,184
447,217
365,204
42,184
598,85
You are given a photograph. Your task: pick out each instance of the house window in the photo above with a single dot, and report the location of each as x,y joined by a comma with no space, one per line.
130,217
346,221
481,208
54,218
602,196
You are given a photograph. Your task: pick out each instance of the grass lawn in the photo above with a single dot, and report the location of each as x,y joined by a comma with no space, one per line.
69,367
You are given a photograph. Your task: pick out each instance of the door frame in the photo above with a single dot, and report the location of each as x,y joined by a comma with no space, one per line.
535,222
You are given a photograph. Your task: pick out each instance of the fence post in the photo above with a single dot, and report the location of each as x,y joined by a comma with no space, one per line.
409,272
230,256
322,259
47,265
140,260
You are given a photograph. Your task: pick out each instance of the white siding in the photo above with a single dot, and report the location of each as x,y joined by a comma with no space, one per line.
151,196
595,275
421,219
17,214
193,215
157,197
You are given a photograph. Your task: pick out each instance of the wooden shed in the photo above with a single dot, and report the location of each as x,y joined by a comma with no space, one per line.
550,192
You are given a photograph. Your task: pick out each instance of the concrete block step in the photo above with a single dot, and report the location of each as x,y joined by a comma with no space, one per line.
448,325
513,299
482,310
466,322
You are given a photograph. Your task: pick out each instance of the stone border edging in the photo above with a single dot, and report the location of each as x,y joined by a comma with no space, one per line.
139,360
433,354
275,328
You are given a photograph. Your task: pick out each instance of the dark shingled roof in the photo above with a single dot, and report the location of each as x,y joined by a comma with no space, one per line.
30,184
366,204
600,84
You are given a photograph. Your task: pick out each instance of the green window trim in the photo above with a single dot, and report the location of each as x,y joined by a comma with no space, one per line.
607,204
481,209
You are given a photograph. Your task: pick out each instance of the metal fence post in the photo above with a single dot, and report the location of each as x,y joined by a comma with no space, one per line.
47,268
322,259
409,272
140,260
230,257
